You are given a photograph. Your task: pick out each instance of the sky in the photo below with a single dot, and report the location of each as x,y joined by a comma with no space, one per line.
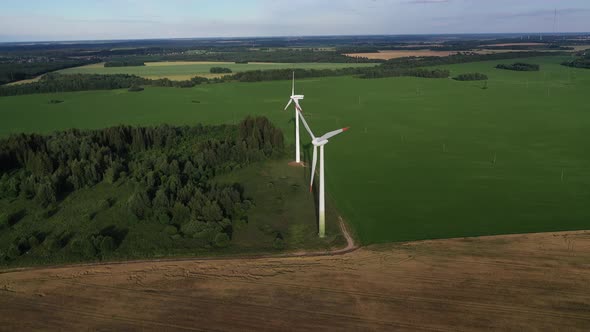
37,20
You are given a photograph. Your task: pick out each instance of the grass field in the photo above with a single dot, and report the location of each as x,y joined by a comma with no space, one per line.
426,158
184,70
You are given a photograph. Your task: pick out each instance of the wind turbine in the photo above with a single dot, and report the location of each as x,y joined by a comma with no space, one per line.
295,99
320,142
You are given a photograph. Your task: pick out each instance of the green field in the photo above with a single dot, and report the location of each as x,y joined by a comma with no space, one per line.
186,70
426,158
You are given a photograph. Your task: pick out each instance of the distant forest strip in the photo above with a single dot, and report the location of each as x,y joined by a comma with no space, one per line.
413,62
52,83
170,168
241,55
128,63
11,71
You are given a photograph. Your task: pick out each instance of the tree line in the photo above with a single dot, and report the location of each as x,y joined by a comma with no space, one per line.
471,77
520,66
126,63
581,62
56,82
462,57
171,167
13,70
219,70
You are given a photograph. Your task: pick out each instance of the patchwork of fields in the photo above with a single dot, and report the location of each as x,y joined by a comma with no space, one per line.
426,158
184,70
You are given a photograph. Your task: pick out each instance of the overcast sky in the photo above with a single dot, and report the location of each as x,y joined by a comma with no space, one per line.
39,20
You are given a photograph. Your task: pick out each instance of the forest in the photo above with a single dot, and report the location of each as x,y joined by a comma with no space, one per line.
14,69
520,66
171,169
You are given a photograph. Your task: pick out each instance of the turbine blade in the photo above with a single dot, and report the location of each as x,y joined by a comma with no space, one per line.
333,133
293,86
289,103
306,125
315,159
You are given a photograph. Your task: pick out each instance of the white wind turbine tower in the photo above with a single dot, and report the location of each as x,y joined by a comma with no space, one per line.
295,99
320,142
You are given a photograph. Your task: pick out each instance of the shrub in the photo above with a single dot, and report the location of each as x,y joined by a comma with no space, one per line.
33,241
82,247
45,194
170,230
221,240
104,204
278,243
107,245
139,204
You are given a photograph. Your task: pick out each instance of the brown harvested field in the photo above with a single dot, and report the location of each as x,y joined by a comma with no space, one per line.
386,55
511,283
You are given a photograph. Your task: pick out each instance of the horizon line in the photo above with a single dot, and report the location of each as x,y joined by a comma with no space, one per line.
73,41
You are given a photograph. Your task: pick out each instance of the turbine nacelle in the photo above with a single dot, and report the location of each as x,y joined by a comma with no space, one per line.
319,141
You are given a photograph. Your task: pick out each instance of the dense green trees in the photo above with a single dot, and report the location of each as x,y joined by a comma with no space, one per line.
81,82
23,68
461,57
416,72
581,62
126,63
471,77
219,70
170,167
520,66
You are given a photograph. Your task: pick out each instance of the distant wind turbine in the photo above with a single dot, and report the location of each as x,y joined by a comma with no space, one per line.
295,99
320,142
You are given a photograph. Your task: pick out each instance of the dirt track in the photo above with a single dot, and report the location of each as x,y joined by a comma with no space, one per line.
518,282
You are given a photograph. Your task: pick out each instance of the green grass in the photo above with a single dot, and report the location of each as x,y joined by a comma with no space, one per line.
185,71
418,162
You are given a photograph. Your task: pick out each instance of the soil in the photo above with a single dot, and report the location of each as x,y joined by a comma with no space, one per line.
523,282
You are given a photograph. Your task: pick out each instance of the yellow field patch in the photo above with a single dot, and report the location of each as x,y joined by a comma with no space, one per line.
32,80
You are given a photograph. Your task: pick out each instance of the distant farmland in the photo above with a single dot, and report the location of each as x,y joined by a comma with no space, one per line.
183,70
425,158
